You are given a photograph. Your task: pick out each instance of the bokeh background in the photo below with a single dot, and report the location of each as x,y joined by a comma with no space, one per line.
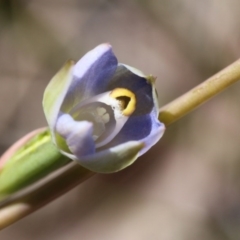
187,187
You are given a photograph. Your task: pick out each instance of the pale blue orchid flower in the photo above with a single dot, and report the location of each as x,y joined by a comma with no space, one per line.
101,113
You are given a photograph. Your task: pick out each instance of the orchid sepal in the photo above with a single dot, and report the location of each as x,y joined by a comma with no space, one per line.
55,93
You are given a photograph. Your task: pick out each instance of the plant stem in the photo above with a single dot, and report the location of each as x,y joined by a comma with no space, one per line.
18,208
32,161
21,206
200,94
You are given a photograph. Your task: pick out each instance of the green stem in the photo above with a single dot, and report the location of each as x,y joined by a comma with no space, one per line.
21,206
36,159
200,94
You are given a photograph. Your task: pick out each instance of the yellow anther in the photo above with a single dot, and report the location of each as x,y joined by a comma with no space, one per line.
126,98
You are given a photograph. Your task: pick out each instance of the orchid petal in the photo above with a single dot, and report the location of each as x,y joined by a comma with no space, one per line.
133,70
151,131
78,135
156,133
113,159
143,86
138,84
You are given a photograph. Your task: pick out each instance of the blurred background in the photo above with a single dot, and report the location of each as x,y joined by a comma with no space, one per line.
188,186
